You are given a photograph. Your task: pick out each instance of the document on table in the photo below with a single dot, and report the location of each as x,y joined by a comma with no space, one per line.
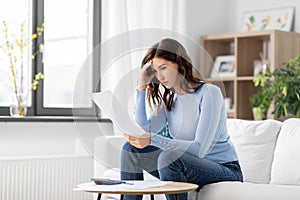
110,105
131,185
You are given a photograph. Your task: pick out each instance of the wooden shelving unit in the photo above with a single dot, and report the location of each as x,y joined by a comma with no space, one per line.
277,46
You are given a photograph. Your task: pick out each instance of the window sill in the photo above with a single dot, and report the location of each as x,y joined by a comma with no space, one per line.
51,119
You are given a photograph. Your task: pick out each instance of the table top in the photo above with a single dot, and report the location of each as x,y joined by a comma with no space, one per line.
169,188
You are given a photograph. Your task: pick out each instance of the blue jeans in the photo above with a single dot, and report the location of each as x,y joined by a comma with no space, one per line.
174,165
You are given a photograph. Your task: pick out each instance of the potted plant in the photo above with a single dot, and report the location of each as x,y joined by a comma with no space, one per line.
260,103
280,87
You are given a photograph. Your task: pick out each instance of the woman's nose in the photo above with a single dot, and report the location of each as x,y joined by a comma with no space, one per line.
159,76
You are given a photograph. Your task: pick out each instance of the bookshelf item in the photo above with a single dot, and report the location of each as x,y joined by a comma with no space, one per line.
224,66
272,47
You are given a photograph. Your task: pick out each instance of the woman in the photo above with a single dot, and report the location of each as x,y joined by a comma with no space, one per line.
199,150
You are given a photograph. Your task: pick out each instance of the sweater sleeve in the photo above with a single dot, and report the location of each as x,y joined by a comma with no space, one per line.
150,121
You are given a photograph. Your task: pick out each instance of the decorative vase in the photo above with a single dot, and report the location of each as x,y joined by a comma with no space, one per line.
18,106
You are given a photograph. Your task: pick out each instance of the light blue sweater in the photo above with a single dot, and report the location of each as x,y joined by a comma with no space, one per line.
197,124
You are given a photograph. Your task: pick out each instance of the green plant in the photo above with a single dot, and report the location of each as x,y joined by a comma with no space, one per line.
261,101
282,87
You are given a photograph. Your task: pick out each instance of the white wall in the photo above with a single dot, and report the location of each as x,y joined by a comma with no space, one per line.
18,139
206,17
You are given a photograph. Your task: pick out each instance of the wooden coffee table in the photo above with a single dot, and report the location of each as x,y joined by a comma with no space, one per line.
170,188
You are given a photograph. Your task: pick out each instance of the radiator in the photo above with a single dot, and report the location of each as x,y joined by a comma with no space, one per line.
50,178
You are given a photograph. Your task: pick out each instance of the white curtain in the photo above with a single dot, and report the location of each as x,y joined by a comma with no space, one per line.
122,17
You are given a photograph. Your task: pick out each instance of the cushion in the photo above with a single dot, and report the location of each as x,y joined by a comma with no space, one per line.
255,143
248,191
286,163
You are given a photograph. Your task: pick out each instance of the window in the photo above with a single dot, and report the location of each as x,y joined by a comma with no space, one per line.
71,31
13,23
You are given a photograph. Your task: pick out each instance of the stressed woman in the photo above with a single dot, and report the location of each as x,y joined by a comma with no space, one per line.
171,93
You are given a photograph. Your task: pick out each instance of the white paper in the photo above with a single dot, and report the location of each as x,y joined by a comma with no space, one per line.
133,185
110,105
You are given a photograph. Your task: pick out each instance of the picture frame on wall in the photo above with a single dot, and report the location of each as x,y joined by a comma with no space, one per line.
270,19
224,66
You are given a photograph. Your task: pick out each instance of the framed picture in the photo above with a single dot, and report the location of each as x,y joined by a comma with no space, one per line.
279,19
224,66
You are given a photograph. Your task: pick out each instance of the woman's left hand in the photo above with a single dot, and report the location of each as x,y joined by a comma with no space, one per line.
139,142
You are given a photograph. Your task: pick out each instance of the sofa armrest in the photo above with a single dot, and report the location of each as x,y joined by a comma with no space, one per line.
107,151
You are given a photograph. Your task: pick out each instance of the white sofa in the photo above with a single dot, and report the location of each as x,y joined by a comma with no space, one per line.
269,153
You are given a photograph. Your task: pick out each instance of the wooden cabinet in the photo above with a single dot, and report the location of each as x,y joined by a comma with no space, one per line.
275,46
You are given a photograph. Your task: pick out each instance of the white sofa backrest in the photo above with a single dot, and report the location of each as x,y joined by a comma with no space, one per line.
286,163
255,143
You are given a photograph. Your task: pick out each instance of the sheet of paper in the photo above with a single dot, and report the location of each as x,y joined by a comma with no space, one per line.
110,105
133,185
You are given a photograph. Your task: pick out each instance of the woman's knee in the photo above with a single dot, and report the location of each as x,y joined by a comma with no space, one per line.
168,157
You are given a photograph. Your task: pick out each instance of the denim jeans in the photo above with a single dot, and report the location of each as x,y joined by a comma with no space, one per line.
174,165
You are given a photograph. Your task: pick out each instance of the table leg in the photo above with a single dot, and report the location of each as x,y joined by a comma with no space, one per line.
122,197
176,197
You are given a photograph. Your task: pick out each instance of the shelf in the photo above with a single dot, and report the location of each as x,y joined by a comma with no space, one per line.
220,79
276,46
242,78
245,78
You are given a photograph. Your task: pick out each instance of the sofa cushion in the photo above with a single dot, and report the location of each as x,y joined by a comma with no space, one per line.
248,191
286,163
254,142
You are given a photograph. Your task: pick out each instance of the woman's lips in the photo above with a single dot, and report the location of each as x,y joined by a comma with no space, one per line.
165,83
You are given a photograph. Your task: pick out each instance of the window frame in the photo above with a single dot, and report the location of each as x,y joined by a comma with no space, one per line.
37,108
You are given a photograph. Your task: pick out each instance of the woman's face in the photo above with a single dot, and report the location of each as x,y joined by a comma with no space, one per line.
166,72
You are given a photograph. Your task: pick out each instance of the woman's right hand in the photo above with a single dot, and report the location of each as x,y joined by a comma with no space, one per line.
145,76
140,141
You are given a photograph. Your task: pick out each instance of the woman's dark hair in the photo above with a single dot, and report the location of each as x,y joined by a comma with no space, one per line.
171,50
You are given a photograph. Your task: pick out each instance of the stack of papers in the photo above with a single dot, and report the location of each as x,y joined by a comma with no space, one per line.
129,185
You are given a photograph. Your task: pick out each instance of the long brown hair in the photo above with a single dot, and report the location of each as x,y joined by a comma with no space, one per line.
171,50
